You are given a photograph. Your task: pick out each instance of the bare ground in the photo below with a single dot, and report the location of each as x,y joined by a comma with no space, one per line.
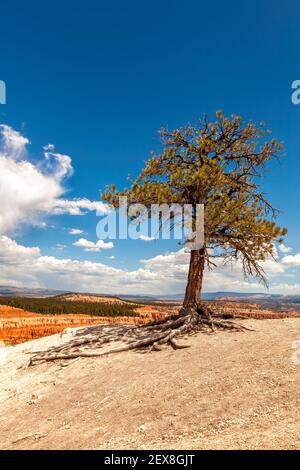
236,390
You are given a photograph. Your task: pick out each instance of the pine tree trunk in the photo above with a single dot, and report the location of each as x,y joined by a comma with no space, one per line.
192,298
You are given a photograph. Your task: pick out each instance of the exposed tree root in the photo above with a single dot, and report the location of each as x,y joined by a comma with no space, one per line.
87,342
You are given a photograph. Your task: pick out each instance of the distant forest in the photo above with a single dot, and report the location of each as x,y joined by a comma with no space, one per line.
54,306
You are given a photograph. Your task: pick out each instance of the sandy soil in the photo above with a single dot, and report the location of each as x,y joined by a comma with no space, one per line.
228,391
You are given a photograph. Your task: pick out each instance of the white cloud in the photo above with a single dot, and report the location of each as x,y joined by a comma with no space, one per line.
291,260
285,249
286,289
12,253
91,246
24,192
13,144
21,266
57,164
30,190
49,148
75,231
111,257
145,238
162,274
60,246
230,277
78,207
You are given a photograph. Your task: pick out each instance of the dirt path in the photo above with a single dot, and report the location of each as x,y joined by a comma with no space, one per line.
229,390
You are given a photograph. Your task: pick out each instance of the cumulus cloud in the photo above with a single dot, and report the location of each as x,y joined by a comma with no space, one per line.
145,238
78,207
22,266
285,249
291,260
30,190
162,274
13,144
230,277
87,245
24,190
57,164
75,231
12,253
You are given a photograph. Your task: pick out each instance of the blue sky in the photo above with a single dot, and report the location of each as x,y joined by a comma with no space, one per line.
98,79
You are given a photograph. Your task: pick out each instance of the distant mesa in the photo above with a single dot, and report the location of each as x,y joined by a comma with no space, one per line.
11,291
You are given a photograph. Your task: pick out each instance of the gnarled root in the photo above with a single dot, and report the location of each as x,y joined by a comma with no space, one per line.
154,335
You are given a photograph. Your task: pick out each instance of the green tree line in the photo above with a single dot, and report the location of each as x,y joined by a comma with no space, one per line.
52,306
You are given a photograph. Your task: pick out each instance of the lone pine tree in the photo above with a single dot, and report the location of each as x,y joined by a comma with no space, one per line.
217,164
